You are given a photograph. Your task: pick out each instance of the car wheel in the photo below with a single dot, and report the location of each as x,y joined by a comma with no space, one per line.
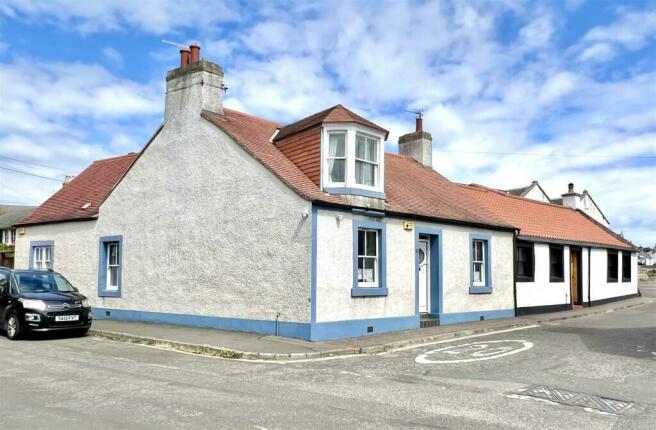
13,327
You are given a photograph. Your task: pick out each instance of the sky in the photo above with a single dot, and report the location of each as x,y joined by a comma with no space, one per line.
512,90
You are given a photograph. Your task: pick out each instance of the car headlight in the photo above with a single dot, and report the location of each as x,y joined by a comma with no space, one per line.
37,305
86,303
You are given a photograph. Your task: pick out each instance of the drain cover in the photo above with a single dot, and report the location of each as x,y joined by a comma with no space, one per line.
573,398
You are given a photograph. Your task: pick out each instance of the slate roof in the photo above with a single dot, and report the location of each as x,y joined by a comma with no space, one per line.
92,186
10,215
337,113
545,220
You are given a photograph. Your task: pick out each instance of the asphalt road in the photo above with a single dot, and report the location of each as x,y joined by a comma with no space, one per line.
58,383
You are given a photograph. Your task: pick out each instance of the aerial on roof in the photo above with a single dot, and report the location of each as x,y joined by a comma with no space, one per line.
80,198
545,220
410,187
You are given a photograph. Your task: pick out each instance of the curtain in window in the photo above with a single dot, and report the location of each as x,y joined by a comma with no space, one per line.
336,157
366,159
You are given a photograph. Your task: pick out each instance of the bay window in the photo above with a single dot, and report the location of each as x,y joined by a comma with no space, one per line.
352,160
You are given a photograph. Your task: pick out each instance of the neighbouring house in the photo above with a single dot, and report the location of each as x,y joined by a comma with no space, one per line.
583,202
563,257
307,230
10,215
533,191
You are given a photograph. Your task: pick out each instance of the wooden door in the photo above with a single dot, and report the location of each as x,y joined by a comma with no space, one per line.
574,277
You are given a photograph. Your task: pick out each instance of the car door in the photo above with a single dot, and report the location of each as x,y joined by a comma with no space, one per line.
5,277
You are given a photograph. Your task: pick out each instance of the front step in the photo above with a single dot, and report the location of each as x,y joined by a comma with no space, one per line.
428,321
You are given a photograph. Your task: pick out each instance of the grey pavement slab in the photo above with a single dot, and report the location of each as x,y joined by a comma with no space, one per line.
268,346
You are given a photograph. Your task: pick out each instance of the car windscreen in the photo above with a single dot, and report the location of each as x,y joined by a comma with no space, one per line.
30,282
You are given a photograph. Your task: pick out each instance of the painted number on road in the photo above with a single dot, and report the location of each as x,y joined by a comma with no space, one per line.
476,351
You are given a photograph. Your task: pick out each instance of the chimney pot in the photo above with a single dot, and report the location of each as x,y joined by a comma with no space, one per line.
195,53
184,57
570,187
419,122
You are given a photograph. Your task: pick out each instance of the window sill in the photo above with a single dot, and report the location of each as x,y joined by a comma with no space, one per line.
626,279
368,292
556,280
480,290
109,293
525,279
355,192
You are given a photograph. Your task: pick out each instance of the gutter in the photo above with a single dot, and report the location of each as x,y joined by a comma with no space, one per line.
572,242
58,221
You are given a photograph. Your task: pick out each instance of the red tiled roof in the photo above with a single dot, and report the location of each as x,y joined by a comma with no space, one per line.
544,220
91,186
337,113
410,188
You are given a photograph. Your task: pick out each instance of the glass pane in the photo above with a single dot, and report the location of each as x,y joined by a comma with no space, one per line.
113,277
360,147
112,253
365,173
369,270
478,250
371,243
372,150
361,242
478,272
336,169
360,271
337,145
46,253
422,256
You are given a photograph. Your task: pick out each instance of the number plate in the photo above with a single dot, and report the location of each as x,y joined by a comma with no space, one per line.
59,318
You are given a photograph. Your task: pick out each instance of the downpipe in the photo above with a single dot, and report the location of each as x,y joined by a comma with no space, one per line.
277,318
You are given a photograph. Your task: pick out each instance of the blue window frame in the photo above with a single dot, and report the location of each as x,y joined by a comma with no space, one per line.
369,259
480,263
110,266
42,254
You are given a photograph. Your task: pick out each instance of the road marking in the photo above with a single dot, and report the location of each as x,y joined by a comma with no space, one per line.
437,342
477,351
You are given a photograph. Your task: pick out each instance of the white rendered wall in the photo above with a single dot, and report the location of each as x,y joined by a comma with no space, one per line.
208,230
75,251
602,289
335,270
543,292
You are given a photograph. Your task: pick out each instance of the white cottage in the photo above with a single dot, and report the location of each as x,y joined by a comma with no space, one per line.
308,230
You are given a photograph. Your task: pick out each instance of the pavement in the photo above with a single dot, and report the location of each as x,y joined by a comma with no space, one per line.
228,344
596,371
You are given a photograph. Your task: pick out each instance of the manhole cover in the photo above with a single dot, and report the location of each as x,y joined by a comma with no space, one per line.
566,397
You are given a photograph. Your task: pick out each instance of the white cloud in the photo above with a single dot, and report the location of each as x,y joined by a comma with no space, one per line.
599,52
632,30
113,56
152,16
67,115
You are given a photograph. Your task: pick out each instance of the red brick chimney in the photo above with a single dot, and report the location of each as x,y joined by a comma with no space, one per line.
195,53
184,57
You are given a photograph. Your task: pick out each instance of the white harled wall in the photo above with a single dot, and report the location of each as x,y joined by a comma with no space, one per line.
335,270
543,292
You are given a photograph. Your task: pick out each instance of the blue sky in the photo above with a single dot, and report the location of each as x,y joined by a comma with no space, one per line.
84,80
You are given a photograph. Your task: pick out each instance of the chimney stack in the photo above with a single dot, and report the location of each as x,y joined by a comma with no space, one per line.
195,86
418,145
570,187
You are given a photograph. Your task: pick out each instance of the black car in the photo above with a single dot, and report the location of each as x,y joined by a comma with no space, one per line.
39,301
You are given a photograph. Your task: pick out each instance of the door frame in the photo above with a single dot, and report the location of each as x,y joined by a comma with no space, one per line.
425,239
579,275
435,304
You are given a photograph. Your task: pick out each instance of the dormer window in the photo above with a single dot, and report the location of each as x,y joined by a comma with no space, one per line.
352,157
